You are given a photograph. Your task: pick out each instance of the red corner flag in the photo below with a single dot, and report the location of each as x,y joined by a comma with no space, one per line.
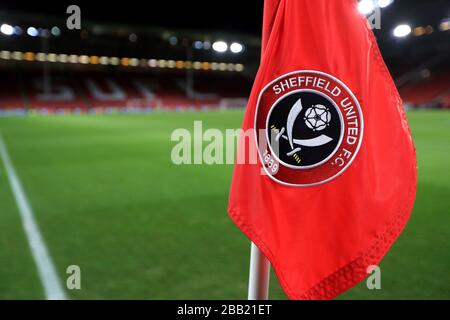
335,179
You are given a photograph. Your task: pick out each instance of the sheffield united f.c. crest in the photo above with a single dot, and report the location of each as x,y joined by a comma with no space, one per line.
309,128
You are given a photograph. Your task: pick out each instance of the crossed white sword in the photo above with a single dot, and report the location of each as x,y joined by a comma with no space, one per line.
314,142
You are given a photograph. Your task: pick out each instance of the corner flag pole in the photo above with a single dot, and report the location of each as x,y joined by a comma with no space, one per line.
258,282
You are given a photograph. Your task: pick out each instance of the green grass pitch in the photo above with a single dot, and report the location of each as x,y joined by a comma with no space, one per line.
108,198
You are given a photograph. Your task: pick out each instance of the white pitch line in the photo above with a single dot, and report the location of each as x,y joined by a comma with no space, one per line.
46,269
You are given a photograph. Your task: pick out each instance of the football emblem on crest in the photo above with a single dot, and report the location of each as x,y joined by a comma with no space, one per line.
313,128
317,117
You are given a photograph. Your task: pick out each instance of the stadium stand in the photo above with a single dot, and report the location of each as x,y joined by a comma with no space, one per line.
109,67
432,92
103,91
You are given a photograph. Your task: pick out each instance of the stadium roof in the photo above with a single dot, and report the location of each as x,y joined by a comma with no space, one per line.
231,15
231,20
